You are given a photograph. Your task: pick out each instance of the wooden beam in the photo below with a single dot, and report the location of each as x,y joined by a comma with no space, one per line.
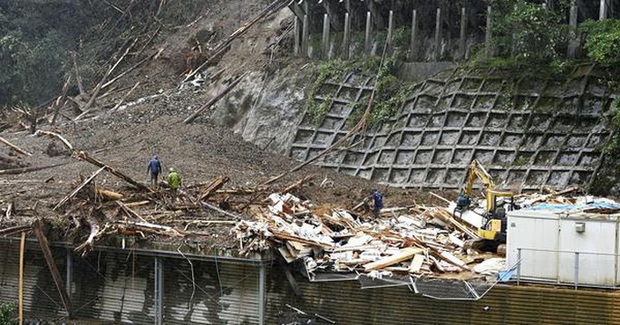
213,187
37,227
403,254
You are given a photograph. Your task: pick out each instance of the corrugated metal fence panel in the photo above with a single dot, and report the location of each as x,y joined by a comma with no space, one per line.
41,298
537,304
346,303
224,293
114,286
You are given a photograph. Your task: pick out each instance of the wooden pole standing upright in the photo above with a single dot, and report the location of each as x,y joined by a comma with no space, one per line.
22,248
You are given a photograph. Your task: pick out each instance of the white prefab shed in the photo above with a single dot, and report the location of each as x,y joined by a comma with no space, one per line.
564,246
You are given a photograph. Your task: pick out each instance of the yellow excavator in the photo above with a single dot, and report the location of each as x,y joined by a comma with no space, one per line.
493,232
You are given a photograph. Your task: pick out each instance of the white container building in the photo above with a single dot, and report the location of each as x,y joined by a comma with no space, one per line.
564,246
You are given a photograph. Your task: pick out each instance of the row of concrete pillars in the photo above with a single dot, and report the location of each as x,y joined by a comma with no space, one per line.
301,31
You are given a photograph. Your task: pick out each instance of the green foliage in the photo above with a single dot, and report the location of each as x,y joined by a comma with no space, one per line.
8,313
602,40
527,31
390,93
326,70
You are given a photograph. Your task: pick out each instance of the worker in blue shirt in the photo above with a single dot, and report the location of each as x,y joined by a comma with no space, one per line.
377,198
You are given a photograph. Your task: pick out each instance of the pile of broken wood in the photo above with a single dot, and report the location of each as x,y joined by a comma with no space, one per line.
417,240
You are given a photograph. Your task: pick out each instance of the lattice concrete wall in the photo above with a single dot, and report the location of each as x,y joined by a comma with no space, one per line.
526,134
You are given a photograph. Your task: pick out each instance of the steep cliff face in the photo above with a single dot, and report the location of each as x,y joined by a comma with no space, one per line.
528,133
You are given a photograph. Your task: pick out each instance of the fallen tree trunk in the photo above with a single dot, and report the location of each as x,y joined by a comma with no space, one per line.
14,147
56,135
84,156
37,227
14,171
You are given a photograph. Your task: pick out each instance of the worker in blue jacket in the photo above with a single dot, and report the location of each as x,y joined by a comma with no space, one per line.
377,198
154,169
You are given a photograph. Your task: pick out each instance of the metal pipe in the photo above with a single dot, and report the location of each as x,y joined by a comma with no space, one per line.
261,294
518,265
159,291
69,280
576,270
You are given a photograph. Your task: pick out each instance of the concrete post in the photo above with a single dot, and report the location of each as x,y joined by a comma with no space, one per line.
572,38
488,37
437,53
390,32
367,35
261,294
325,41
463,36
297,32
346,37
576,270
304,37
159,291
603,10
414,31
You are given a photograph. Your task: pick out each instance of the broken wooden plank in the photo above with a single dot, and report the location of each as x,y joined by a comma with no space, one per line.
14,147
416,263
213,187
77,189
403,254
37,227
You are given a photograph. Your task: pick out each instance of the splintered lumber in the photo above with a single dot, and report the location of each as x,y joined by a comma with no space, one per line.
37,227
77,189
215,99
454,260
445,216
14,147
90,242
403,254
416,263
214,186
84,156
